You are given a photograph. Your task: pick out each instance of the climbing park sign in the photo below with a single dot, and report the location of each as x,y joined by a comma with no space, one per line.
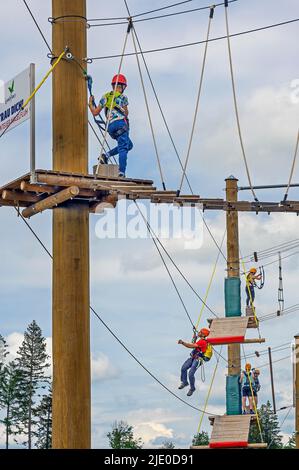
13,96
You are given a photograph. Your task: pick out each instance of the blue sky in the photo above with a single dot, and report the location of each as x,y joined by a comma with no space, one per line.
129,286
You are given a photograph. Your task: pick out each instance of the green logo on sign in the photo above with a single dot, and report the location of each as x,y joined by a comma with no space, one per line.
12,87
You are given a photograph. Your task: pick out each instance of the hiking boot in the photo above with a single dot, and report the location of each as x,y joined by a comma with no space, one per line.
121,175
103,159
244,412
252,412
190,392
182,386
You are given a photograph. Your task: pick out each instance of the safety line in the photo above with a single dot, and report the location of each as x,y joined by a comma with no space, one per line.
154,236
179,46
34,92
149,113
197,100
235,101
168,15
210,283
209,392
113,96
113,334
292,169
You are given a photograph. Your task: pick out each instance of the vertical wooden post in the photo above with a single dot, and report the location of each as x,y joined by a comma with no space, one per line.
272,379
296,359
233,264
71,336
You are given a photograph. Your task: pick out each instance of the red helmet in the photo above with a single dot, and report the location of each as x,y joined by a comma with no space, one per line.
204,332
119,79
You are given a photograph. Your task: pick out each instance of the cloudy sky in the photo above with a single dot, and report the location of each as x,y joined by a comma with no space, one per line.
129,285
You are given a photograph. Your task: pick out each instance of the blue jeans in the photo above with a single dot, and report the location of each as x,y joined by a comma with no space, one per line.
191,364
119,130
250,295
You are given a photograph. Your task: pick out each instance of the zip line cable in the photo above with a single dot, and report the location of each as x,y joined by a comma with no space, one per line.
37,25
292,169
211,15
149,113
113,334
179,46
171,137
169,15
154,236
235,101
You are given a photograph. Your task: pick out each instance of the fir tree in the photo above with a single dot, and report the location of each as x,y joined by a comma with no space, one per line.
168,445
11,387
32,361
3,352
270,428
201,439
291,444
44,429
122,437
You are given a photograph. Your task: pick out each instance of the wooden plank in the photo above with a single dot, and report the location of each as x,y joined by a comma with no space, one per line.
9,195
51,201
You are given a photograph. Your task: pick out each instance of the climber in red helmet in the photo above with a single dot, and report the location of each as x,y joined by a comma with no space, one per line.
202,351
115,104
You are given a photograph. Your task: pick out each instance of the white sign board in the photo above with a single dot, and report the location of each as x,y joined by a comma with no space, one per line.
14,94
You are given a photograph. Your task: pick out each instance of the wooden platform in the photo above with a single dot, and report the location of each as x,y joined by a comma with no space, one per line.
231,432
230,330
92,189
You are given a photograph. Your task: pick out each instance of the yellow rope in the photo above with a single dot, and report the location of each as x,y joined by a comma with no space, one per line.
209,393
255,408
43,80
210,284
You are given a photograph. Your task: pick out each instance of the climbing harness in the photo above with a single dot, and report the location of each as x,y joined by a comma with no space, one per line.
261,283
280,285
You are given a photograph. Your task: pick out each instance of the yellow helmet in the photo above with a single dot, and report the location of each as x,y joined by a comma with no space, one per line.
253,270
247,366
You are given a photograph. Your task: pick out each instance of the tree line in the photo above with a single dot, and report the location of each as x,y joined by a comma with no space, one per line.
25,392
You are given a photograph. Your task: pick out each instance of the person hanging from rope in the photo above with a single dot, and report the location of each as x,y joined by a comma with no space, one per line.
202,352
256,384
115,104
251,277
247,381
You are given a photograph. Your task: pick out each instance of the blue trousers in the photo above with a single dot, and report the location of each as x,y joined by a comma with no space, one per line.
191,364
119,130
250,295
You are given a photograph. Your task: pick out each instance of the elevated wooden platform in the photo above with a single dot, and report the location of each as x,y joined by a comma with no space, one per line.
229,330
231,432
98,189
89,188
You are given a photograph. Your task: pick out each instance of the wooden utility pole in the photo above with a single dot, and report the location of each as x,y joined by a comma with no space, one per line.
233,264
296,368
272,379
71,336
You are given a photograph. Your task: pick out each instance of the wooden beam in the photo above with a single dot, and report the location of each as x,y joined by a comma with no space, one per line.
51,201
18,196
257,445
37,188
256,340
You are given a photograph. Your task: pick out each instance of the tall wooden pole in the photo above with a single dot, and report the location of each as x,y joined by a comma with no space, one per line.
272,379
233,264
296,359
71,336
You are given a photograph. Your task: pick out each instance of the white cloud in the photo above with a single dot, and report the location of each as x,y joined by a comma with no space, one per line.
102,368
